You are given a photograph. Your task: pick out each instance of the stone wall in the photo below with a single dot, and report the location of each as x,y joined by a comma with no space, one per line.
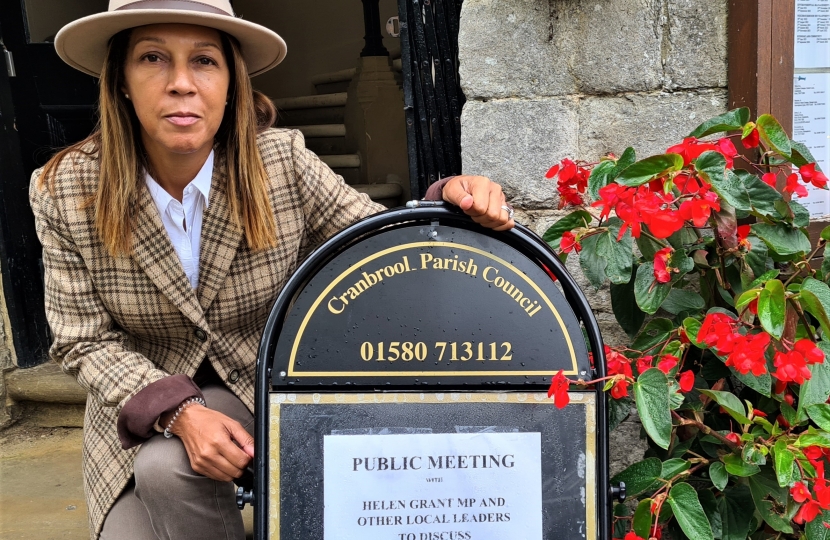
549,79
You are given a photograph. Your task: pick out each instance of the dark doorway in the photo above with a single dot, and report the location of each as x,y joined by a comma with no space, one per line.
45,105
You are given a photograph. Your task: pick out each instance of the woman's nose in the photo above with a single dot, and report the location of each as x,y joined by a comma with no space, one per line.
181,79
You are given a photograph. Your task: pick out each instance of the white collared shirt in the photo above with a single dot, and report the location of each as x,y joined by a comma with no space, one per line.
183,220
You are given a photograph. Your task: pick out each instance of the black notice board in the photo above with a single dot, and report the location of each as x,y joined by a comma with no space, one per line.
416,304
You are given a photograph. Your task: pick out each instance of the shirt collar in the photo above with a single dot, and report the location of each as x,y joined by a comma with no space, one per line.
201,183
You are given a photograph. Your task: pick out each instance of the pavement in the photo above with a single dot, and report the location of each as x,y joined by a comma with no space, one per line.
41,485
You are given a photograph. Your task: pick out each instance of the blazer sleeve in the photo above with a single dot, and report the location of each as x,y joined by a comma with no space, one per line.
329,204
86,341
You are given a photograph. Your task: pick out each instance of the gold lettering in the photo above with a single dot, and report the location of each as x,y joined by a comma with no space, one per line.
523,300
484,274
425,258
361,285
406,263
535,311
472,268
399,268
331,308
353,293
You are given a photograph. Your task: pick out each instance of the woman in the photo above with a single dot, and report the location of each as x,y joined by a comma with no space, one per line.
167,236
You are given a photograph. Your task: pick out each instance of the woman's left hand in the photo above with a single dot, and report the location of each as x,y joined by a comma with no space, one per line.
481,199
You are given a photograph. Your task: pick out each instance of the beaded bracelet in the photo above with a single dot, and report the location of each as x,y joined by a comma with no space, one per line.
186,403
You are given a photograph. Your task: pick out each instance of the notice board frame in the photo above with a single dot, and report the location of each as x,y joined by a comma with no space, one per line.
520,238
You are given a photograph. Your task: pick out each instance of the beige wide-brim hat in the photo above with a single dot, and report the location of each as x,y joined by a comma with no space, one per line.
83,43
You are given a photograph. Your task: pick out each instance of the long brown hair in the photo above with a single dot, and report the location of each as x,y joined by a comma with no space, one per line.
116,143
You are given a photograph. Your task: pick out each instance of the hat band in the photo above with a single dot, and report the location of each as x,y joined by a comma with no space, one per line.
186,5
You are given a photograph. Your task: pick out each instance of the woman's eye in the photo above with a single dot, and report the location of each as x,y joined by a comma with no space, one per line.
205,61
152,57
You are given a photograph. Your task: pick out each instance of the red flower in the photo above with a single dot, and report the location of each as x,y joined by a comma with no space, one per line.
752,139
559,389
687,381
620,388
691,149
808,512
667,363
792,367
644,363
743,235
800,492
698,210
718,332
810,174
812,354
569,243
661,262
748,353
632,536
663,222
572,182
794,187
725,147
733,437
553,171
770,179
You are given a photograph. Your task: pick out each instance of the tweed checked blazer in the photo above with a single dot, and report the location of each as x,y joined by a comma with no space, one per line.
121,323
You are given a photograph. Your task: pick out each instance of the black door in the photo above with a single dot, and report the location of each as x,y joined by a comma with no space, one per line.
45,105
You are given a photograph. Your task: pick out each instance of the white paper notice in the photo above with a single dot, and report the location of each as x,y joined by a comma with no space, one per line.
812,34
447,486
811,126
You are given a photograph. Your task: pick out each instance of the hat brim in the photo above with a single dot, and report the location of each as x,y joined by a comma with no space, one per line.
83,43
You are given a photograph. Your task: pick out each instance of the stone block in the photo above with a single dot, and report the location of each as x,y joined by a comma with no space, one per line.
611,45
514,142
649,122
506,49
694,50
625,445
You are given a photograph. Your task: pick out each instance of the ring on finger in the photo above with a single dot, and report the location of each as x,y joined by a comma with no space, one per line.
508,210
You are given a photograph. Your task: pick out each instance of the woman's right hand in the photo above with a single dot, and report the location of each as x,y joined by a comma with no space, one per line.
218,446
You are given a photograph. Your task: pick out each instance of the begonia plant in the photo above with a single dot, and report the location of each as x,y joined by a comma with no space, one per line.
725,296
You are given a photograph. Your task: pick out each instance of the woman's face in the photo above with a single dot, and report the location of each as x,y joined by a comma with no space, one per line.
177,78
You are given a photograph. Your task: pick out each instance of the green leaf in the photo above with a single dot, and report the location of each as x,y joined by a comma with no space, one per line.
763,278
592,261
642,518
600,177
733,120
813,438
646,170
648,293
730,403
655,331
815,530
801,154
757,258
640,476
813,305
761,384
617,253
692,328
801,216
718,475
762,487
782,239
712,167
624,304
689,513
752,455
772,308
680,300
820,414
618,410
628,158
737,467
736,510
649,247
773,135
784,460
576,219
651,394
673,467
816,390
741,189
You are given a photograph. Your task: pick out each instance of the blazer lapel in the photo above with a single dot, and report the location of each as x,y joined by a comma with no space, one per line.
220,239
154,253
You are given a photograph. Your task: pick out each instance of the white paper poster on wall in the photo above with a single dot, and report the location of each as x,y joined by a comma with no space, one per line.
446,486
812,34
811,126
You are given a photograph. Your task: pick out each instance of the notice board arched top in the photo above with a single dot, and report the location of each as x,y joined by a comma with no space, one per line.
424,296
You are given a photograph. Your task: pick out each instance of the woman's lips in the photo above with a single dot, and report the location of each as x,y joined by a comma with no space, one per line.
182,120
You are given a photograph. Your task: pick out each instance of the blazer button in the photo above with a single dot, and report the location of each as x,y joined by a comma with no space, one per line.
200,334
233,376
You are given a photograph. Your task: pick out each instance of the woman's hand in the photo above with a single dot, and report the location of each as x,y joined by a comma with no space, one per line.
481,199
218,446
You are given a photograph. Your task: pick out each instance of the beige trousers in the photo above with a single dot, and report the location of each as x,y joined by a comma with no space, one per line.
168,500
